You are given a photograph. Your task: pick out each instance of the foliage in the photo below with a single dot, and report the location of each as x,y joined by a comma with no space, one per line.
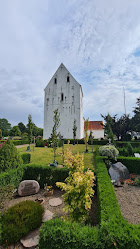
19,220
6,192
9,157
15,131
86,132
109,151
12,177
40,142
5,126
90,139
30,128
74,130
26,157
44,174
19,142
0,134
129,150
55,136
136,119
22,128
78,188
132,164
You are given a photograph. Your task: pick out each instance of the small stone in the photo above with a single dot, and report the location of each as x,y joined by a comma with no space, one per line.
31,239
28,187
54,202
48,215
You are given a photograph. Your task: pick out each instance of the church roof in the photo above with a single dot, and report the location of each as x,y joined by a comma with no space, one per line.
62,65
95,125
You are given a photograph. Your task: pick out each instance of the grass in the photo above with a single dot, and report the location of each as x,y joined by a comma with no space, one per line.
45,156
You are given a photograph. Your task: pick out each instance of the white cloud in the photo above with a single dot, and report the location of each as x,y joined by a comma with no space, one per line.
96,40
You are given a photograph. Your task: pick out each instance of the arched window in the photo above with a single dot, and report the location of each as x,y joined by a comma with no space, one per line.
62,96
68,79
55,80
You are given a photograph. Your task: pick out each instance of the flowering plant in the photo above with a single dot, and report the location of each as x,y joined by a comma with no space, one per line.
47,188
122,181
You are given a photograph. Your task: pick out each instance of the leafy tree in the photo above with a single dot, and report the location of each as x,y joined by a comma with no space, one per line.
0,134
9,157
55,135
74,130
86,133
22,127
78,188
15,131
5,126
135,121
30,128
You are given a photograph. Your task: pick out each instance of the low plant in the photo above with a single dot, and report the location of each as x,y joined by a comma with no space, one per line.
109,151
19,220
26,157
78,188
40,142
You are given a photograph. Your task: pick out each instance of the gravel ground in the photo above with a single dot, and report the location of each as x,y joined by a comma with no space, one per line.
129,200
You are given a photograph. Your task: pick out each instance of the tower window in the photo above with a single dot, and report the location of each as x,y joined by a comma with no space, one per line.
55,80
62,96
68,79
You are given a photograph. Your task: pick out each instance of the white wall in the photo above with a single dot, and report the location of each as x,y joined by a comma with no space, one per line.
70,108
97,133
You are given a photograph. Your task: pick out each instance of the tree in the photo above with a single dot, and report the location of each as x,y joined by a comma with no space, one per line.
86,133
74,130
22,127
30,128
78,188
55,136
0,134
135,121
9,157
15,131
5,126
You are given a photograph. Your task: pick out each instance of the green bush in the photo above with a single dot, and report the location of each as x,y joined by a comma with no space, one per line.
45,174
9,157
19,142
13,177
109,151
26,157
19,220
40,142
129,150
121,144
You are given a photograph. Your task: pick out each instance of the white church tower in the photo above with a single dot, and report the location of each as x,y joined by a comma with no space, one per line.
64,93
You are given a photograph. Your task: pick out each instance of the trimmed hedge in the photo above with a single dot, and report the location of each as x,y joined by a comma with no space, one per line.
26,157
122,144
20,142
132,163
45,174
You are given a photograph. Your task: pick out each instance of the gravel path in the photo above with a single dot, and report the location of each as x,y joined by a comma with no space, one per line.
129,200
23,145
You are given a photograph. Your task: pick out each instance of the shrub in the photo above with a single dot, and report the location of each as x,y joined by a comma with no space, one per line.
132,163
78,188
129,150
40,142
19,142
9,157
26,157
13,177
45,174
109,151
19,220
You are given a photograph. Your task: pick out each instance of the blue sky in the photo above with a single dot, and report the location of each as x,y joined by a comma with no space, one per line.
97,40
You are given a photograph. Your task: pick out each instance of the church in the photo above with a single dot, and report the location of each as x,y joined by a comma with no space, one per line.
64,93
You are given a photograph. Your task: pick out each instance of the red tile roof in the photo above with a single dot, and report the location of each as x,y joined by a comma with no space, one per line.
95,125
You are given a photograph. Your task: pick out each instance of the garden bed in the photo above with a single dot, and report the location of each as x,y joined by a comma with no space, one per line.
129,200
57,211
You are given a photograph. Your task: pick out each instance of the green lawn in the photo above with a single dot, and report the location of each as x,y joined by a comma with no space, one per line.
45,156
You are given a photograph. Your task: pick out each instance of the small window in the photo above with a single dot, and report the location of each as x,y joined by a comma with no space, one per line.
68,79
55,80
62,96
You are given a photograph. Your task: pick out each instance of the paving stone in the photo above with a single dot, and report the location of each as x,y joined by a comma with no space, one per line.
48,215
54,202
31,239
